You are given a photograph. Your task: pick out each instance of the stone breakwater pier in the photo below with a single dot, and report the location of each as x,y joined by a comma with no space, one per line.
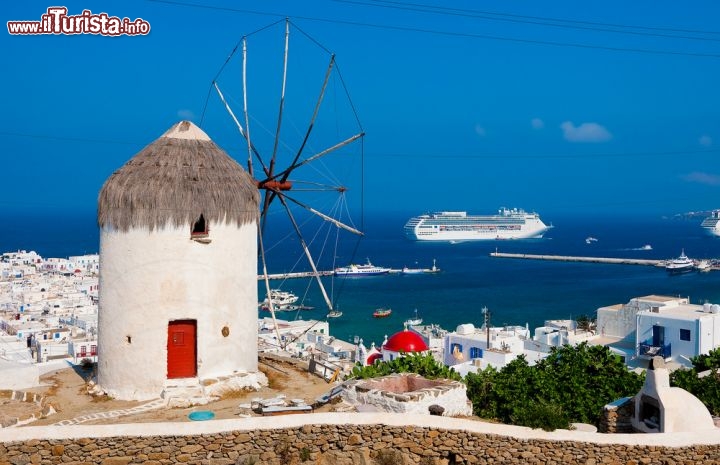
569,258
345,439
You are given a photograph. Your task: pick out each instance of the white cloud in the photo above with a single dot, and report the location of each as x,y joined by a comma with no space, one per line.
705,141
186,114
702,178
537,123
479,130
586,132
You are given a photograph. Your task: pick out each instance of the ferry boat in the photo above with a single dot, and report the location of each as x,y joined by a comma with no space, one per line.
382,312
679,265
711,224
457,226
367,269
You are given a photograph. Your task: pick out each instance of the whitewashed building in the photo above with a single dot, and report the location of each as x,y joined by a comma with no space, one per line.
58,265
83,348
619,321
296,338
21,257
88,263
677,332
469,348
557,333
178,277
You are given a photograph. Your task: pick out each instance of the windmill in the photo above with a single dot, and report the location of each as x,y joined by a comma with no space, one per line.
287,172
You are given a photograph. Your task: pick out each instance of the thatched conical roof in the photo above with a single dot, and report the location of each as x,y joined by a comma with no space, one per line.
180,176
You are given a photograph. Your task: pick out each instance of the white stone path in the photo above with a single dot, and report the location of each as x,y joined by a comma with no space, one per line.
152,405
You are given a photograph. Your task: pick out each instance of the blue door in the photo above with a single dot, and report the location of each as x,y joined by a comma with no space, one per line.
658,336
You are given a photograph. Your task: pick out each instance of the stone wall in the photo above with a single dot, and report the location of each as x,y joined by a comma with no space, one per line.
361,440
617,416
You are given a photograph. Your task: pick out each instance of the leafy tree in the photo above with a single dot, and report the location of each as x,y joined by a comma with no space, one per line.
571,385
705,362
480,390
707,388
584,378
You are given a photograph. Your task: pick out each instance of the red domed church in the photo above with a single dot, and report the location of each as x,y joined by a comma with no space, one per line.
403,342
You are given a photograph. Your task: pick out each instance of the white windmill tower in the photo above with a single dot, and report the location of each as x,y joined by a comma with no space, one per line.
178,276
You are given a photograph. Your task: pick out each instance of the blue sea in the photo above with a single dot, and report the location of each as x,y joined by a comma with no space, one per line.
515,291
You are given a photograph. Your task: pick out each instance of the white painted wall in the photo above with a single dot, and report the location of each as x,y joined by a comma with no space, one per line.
148,279
704,333
709,333
18,375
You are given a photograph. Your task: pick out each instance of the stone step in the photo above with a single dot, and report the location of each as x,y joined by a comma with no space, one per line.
185,393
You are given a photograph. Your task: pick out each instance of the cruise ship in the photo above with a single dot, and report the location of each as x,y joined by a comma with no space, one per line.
711,224
459,226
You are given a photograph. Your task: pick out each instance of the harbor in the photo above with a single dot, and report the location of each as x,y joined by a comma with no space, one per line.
700,265
352,270
569,258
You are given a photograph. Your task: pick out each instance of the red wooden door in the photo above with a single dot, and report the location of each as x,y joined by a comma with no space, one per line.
181,359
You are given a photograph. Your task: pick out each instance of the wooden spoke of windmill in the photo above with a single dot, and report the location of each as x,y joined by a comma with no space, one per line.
274,182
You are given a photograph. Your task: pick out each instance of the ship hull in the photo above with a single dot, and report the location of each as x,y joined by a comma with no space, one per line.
711,224
360,273
459,227
680,269
474,236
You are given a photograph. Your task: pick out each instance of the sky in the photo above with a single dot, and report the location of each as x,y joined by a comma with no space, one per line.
557,107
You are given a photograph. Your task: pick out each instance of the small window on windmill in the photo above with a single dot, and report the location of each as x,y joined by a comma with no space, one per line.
200,230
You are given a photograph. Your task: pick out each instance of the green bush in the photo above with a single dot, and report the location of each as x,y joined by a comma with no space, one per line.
571,385
422,364
709,361
707,388
541,414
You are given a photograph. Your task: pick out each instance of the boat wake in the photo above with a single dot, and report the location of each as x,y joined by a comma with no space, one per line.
645,247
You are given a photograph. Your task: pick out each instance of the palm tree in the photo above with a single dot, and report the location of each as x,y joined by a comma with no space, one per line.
586,323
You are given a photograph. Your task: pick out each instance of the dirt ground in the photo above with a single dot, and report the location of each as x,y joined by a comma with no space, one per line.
66,390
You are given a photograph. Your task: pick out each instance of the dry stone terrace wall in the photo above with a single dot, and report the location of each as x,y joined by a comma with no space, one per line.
343,440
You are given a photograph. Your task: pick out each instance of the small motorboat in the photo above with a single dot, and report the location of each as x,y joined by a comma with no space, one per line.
703,265
279,299
334,314
406,270
382,312
414,321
